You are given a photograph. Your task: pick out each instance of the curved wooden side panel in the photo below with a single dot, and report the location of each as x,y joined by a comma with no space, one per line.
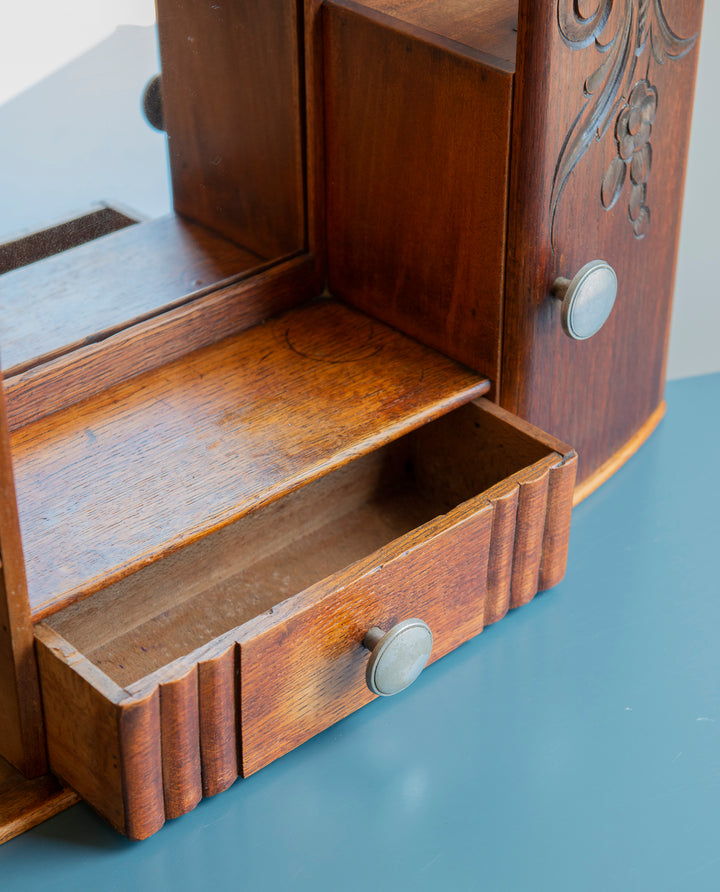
601,123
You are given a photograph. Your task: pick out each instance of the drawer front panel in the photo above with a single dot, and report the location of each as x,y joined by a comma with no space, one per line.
308,671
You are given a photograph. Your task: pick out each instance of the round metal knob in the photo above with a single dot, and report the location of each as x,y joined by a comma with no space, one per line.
152,103
587,299
398,656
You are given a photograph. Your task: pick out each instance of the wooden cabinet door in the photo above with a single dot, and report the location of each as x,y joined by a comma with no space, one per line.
601,123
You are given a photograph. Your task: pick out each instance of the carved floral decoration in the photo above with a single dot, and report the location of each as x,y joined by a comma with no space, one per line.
615,93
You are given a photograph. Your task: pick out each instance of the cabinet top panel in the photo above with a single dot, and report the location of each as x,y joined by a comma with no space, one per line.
488,26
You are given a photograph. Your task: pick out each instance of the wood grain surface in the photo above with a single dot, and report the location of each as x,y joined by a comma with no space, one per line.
96,367
102,743
571,115
26,803
180,735
153,464
307,670
417,134
218,723
231,86
85,294
488,26
83,738
21,734
239,647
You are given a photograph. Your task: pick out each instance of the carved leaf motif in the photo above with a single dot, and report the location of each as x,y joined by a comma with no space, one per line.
666,44
611,94
612,183
578,30
601,107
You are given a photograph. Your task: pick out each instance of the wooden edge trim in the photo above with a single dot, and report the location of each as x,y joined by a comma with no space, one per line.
421,34
96,367
500,558
529,531
556,536
180,739
218,722
588,486
141,765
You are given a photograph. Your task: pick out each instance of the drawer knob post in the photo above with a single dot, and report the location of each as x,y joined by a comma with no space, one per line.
587,299
398,656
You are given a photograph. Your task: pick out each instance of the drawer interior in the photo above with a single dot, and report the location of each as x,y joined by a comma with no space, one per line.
168,610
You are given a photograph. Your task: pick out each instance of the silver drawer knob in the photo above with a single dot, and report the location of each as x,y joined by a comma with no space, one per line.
587,299
398,656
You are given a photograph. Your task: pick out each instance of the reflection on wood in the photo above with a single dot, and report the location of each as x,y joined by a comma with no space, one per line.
84,294
190,447
61,236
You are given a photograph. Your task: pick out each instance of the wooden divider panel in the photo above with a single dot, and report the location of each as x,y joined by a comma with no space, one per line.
417,133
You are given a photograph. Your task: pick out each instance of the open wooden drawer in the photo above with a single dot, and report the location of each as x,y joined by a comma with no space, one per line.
167,685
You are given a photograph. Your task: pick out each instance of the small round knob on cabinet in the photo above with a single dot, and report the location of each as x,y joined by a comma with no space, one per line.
587,299
152,103
398,656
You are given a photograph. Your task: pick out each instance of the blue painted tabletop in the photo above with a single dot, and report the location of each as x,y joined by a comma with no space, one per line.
573,746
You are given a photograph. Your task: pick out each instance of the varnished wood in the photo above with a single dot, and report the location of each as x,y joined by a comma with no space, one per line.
231,103
140,734
293,691
313,69
188,452
113,754
500,560
21,737
218,722
556,535
596,394
180,736
529,529
28,248
26,803
489,26
242,514
85,754
89,292
615,462
399,531
92,369
417,133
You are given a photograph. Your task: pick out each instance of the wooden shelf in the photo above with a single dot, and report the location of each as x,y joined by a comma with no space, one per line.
91,291
26,803
123,479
